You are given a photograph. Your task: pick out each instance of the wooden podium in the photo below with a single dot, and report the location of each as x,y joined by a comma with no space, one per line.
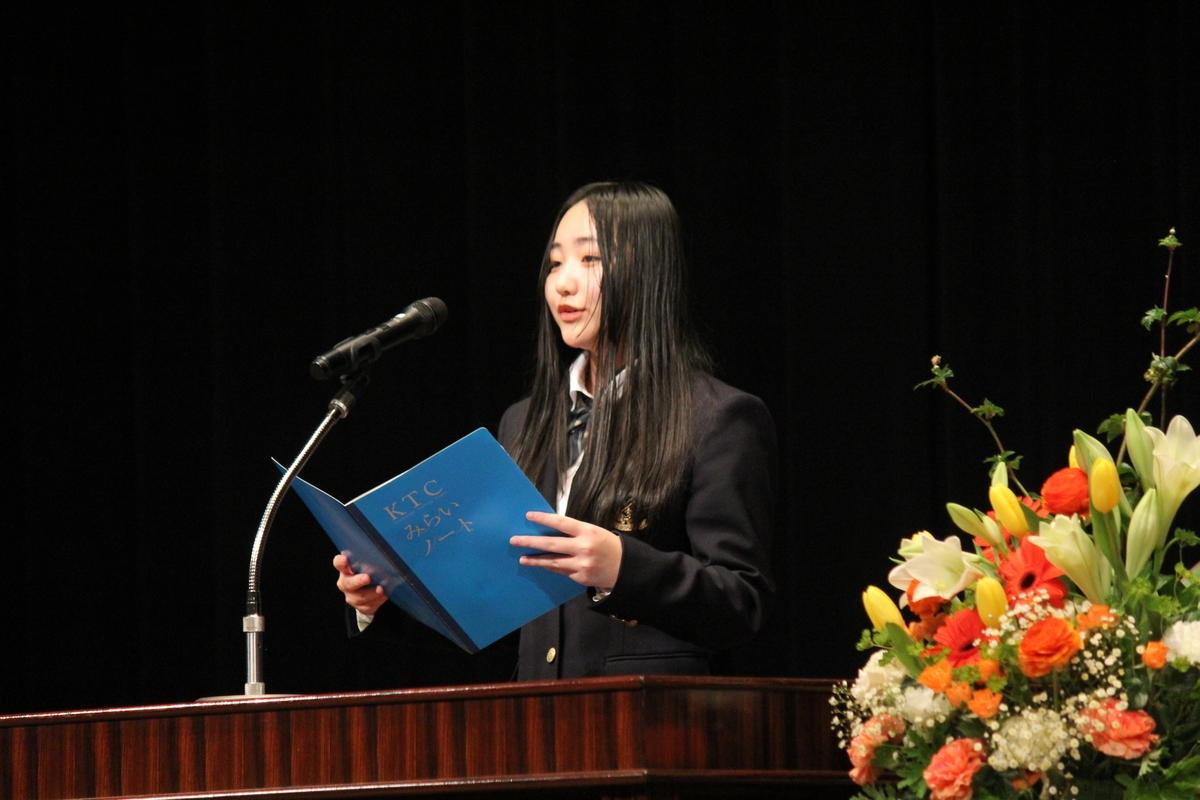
626,737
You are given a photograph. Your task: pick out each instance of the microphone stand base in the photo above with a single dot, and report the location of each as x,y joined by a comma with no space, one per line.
221,698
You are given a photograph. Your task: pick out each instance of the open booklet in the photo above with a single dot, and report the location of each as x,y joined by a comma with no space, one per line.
436,539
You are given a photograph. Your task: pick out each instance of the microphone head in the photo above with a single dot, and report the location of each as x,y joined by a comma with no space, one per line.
416,321
432,313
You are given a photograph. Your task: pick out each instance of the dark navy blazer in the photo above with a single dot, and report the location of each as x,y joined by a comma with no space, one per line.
693,584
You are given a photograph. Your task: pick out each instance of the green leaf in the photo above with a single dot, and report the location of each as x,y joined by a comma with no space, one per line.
987,410
1185,538
901,643
1112,427
1152,316
1009,458
940,376
1169,241
1188,317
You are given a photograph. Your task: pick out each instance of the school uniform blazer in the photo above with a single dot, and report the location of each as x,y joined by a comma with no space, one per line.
693,584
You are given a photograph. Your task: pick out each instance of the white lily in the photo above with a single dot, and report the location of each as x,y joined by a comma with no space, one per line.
914,545
1176,465
1069,548
1146,533
1140,446
941,569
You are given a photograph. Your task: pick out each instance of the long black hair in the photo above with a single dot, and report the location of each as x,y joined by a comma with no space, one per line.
639,434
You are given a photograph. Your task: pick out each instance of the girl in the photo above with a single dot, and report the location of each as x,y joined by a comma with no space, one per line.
661,474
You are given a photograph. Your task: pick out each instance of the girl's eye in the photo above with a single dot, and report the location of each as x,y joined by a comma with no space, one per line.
591,259
555,265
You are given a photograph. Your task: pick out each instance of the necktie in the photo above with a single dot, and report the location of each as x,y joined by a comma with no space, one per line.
577,429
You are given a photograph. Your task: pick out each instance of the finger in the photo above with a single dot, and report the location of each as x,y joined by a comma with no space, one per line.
353,583
549,544
549,563
366,596
559,522
342,564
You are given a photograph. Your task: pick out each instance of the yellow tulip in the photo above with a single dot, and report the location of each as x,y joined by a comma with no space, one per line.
990,601
1008,510
1072,461
1104,485
881,608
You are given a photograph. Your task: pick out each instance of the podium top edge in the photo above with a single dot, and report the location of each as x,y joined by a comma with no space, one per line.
251,703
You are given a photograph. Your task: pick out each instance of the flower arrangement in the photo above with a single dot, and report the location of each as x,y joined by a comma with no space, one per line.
1054,656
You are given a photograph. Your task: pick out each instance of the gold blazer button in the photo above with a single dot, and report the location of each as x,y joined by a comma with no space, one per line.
551,654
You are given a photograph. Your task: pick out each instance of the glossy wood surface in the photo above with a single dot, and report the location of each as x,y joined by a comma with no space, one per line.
602,737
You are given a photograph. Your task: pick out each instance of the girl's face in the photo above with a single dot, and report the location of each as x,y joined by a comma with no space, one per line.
573,284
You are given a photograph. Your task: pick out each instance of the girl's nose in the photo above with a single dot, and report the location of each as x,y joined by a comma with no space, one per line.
564,280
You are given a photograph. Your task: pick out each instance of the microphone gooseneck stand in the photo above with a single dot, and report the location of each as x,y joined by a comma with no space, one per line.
350,359
253,623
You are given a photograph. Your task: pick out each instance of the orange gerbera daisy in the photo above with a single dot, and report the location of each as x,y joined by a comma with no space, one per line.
1026,570
962,634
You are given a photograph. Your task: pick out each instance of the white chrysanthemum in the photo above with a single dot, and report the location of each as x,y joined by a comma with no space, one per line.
1183,641
919,704
1034,740
876,684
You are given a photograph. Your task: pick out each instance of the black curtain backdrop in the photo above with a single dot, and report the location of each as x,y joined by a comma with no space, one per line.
204,197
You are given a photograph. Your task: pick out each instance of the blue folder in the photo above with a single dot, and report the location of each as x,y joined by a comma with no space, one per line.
436,539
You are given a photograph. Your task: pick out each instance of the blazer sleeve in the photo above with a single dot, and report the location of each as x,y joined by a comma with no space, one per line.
715,589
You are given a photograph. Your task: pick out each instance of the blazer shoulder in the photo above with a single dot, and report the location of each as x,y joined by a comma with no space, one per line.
713,399
511,423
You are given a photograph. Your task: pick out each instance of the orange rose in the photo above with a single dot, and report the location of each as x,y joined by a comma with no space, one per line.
1155,655
1049,644
952,769
958,694
988,668
1124,734
936,676
985,703
1096,617
1066,492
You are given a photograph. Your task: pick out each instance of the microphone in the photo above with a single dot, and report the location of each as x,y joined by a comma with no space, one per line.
417,320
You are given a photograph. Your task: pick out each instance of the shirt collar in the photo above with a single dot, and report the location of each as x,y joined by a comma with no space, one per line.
575,380
575,376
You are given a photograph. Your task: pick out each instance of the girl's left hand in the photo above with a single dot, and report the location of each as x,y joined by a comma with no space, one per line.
588,554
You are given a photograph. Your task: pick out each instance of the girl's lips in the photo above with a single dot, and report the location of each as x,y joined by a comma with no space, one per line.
569,313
